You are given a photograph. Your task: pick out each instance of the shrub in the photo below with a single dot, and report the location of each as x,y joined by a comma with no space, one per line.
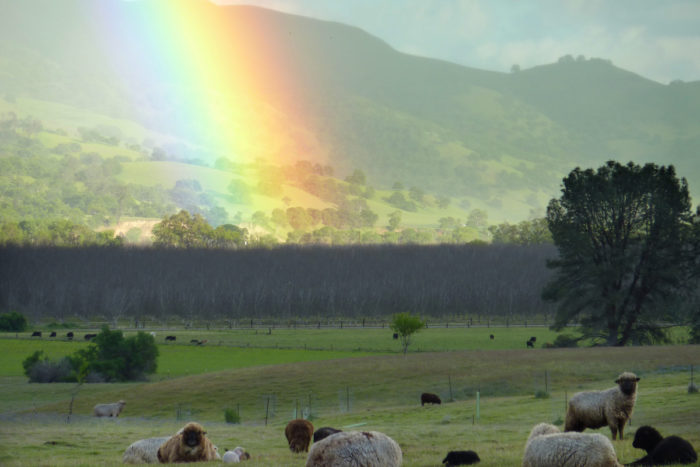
231,416
40,369
13,321
540,394
566,340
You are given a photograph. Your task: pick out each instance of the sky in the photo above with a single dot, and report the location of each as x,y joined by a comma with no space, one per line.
657,39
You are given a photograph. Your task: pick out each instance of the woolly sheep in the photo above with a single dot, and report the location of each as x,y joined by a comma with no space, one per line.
144,451
108,410
235,456
355,449
611,407
548,447
299,433
660,450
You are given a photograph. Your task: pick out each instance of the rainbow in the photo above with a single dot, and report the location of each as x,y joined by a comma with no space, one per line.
218,79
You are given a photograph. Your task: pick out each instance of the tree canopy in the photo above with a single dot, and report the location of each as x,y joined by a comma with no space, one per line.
405,325
624,235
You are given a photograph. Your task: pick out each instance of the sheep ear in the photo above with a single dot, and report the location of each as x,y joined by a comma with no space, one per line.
617,381
637,379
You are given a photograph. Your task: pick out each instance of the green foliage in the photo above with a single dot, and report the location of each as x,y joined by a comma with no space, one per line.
565,341
623,234
394,220
13,322
541,394
232,416
532,232
183,230
39,369
115,358
405,325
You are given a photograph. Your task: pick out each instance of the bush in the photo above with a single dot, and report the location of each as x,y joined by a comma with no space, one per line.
13,321
540,394
40,369
232,416
566,340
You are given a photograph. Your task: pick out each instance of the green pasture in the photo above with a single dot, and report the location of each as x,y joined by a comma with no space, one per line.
384,396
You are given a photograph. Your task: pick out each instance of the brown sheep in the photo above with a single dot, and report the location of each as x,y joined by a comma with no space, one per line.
428,398
612,407
299,433
188,445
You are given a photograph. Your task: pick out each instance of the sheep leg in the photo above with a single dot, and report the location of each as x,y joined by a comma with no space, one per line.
621,426
613,429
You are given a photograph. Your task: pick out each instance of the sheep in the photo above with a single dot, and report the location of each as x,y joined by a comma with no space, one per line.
324,432
612,407
660,450
188,445
70,335
548,447
530,344
235,456
144,451
299,433
108,410
355,449
428,398
170,338
460,458
36,334
153,334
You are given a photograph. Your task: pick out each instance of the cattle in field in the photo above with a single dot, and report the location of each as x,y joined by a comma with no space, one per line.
53,334
36,334
70,335
87,337
170,338
429,398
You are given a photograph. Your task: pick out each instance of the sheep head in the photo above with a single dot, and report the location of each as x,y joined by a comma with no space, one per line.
627,382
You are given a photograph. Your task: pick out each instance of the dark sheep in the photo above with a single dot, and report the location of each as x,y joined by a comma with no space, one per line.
53,334
169,338
69,335
324,432
90,336
460,458
36,334
299,433
530,345
660,450
428,398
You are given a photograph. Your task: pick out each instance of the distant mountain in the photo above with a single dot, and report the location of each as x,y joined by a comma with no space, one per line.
497,141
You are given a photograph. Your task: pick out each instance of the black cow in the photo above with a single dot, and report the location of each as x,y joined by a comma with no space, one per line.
90,336
36,334
460,458
169,338
428,398
530,345
533,339
491,337
70,335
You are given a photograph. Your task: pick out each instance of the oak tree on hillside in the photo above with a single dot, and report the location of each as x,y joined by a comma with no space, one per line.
624,235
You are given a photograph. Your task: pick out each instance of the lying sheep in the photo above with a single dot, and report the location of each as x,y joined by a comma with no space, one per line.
549,447
299,433
189,444
460,458
355,449
660,450
235,456
144,451
108,410
612,407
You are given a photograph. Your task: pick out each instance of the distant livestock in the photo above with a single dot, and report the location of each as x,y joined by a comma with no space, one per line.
460,458
324,432
36,334
108,410
70,335
533,339
194,341
355,448
530,344
299,433
152,334
429,398
549,447
611,407
144,451
660,450
396,335
190,444
87,337
53,334
170,338
492,337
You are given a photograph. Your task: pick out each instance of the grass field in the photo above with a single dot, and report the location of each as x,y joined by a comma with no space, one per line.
374,389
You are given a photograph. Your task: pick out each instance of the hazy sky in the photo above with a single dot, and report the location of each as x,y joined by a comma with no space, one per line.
658,39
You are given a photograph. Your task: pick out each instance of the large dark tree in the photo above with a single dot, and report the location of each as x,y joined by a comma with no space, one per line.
623,233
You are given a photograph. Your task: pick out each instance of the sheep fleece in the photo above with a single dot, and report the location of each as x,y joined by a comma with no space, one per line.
108,410
355,449
177,450
144,451
548,447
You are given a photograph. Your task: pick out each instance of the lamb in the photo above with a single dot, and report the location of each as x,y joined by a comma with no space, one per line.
324,432
299,433
144,451
355,449
611,407
235,456
548,447
108,410
660,450
460,458
429,398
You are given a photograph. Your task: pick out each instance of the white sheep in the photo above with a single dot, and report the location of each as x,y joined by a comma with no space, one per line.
144,451
612,407
548,447
355,449
108,410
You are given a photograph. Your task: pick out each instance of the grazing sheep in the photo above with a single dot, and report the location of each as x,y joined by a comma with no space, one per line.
108,410
428,398
548,447
460,458
170,338
299,433
324,432
69,335
188,445
660,450
355,449
36,334
144,451
53,334
611,407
